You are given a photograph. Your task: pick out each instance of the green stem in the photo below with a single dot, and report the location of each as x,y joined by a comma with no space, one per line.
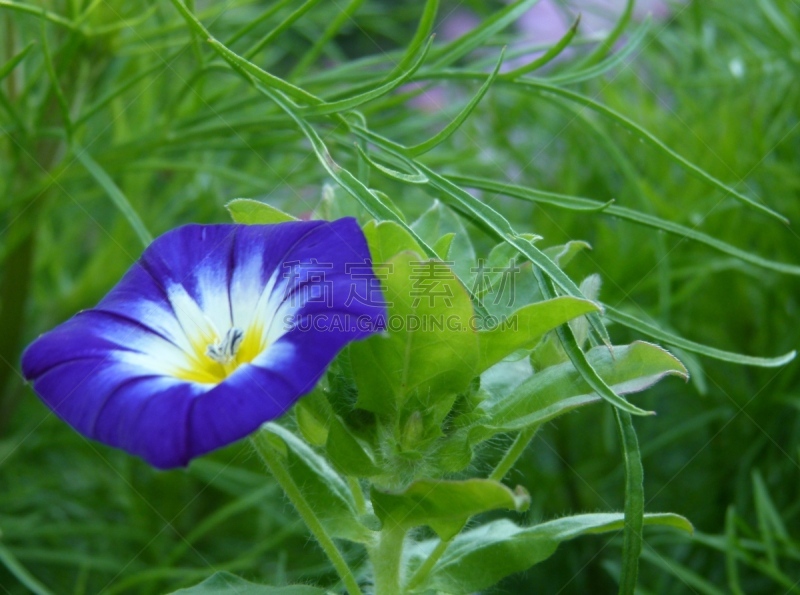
504,466
358,494
425,569
386,557
513,453
275,465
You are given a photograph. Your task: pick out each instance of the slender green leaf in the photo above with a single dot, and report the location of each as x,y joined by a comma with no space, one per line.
350,103
576,203
573,349
423,32
21,573
456,123
601,50
550,55
281,27
115,194
6,68
477,37
651,139
659,334
37,11
634,504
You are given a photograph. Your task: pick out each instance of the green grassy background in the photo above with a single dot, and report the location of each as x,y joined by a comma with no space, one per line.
179,135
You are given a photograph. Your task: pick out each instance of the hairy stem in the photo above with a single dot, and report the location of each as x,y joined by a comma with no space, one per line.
513,453
276,466
425,569
386,557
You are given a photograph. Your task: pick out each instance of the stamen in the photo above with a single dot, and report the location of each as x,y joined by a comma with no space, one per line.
225,351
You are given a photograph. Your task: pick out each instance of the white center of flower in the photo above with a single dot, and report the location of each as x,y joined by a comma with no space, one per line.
225,350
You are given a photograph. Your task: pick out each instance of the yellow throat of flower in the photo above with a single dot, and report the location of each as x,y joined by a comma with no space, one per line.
212,362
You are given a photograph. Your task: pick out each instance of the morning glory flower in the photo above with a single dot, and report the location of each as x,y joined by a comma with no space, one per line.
207,336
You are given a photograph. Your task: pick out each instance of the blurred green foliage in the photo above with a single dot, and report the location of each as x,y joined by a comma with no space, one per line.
119,121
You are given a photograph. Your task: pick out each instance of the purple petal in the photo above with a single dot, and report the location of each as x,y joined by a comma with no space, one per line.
118,372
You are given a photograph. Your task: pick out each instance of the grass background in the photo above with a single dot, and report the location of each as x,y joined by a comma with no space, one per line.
118,108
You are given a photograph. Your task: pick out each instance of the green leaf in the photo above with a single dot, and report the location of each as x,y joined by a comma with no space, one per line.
438,220
634,504
350,103
6,68
479,558
415,178
443,244
430,352
574,350
563,254
347,453
525,327
576,203
445,505
770,524
423,32
115,194
558,389
549,55
651,140
386,239
456,123
313,414
225,583
22,574
253,212
479,35
661,335
320,485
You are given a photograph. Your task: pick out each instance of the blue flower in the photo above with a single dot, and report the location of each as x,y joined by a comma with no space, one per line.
206,337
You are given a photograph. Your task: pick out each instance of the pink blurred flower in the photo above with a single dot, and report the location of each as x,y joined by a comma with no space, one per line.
549,20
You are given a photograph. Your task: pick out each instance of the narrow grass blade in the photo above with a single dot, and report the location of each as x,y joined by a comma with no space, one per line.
600,51
59,93
576,203
21,573
366,197
240,63
350,103
261,75
40,12
666,337
115,194
649,138
697,583
445,133
6,68
615,60
732,544
264,16
417,178
567,338
548,56
423,32
634,504
478,36
314,52
282,26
